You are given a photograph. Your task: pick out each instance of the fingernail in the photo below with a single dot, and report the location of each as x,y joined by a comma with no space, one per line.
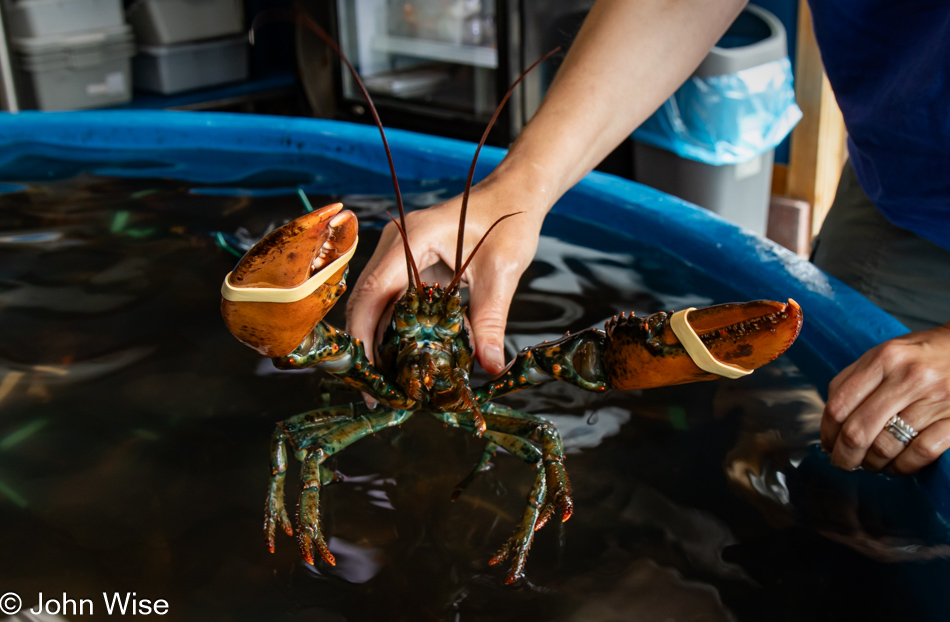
370,402
494,358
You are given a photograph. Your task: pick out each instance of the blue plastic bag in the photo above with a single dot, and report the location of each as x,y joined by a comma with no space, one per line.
726,119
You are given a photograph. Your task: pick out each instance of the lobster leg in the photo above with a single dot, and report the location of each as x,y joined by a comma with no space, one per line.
275,512
551,491
295,430
483,464
523,425
310,532
333,351
519,544
315,436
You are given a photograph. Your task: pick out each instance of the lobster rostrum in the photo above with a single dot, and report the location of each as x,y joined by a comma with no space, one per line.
276,297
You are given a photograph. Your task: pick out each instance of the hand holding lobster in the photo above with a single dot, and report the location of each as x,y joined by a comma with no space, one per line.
492,276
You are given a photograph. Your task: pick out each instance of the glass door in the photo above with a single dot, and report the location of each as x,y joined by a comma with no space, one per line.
437,55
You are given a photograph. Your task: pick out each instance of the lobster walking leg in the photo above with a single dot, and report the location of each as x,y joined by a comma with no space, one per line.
551,491
310,532
520,541
527,426
536,512
315,436
483,464
275,512
298,431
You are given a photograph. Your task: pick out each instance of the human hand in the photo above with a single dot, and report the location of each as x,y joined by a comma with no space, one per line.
492,276
908,376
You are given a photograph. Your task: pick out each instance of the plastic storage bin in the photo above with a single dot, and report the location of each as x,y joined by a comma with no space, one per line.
39,18
165,22
725,123
66,72
175,68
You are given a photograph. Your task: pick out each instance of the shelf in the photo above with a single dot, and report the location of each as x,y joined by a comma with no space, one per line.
203,99
477,56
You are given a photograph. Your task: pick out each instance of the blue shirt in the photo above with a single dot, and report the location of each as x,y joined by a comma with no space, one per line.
888,62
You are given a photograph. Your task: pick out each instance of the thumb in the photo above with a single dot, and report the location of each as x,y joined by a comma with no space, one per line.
488,310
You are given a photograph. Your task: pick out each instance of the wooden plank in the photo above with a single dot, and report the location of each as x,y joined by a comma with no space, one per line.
789,224
818,142
780,179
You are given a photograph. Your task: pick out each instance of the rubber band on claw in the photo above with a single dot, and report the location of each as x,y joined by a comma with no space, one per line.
698,351
290,294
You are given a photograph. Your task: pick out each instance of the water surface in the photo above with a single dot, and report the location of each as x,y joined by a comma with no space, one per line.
134,435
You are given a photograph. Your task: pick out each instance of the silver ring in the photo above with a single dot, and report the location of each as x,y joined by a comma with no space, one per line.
900,430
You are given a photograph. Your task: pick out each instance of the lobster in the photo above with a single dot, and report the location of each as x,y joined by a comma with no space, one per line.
275,299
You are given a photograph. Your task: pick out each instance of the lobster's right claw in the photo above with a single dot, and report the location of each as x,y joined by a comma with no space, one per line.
289,280
644,353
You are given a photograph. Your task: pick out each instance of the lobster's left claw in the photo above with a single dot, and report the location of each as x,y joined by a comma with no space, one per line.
645,353
288,281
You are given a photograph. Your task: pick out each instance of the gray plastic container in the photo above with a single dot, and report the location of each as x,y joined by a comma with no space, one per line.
39,18
738,192
90,69
166,22
176,68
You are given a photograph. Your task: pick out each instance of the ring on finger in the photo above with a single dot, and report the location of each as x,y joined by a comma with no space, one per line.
901,430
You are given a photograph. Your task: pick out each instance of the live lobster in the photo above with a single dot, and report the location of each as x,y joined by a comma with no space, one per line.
276,297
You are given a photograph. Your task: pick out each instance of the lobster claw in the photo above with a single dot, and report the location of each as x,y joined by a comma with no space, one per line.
289,280
645,353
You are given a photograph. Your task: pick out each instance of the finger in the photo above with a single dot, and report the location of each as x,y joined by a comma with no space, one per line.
882,451
383,279
867,421
844,395
923,450
886,447
490,301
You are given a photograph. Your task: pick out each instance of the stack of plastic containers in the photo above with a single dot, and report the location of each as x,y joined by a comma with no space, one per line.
69,54
188,44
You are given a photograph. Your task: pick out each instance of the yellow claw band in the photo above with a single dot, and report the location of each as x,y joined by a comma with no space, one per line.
697,349
290,294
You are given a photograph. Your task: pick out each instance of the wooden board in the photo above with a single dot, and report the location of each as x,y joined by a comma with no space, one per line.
818,141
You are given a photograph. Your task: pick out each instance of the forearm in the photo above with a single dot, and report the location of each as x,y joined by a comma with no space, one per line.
626,60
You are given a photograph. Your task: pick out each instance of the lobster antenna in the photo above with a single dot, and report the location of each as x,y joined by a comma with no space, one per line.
458,274
307,22
471,170
405,239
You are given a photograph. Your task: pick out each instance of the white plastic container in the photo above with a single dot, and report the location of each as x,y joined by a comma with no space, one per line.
39,18
91,69
166,22
175,68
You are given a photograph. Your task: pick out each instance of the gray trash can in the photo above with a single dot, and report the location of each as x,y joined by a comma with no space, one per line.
733,182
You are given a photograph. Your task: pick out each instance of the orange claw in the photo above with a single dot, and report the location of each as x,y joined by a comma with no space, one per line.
286,258
644,353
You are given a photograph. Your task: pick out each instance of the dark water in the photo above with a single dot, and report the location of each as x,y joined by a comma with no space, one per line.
134,436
